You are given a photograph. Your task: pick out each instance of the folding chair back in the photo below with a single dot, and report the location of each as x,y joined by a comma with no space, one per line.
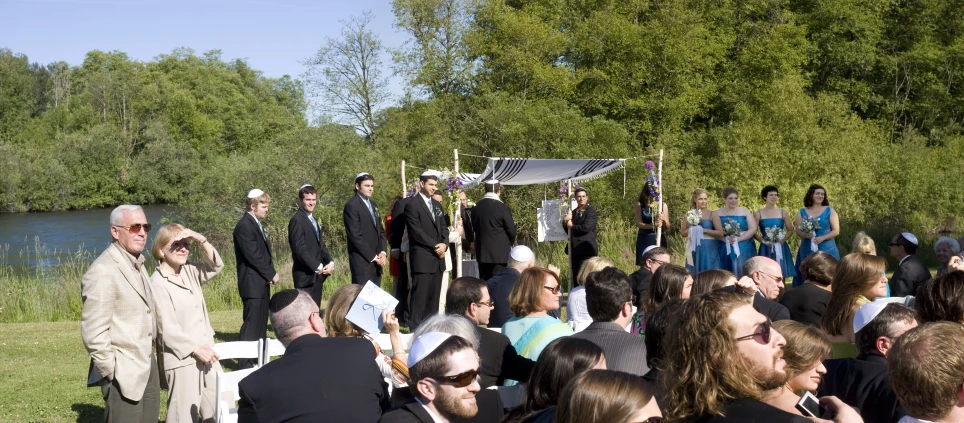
272,348
226,409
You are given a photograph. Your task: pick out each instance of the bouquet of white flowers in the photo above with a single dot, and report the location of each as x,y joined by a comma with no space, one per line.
774,235
731,228
811,225
694,217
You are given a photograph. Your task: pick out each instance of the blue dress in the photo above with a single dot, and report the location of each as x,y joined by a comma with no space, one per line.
829,246
707,255
646,237
789,271
747,248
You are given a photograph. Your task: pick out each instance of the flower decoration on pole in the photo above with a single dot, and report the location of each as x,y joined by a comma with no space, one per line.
564,206
654,186
451,189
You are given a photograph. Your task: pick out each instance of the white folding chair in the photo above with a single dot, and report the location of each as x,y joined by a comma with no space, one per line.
239,349
272,348
226,409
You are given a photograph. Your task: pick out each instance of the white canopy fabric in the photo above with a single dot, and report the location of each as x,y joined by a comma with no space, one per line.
510,171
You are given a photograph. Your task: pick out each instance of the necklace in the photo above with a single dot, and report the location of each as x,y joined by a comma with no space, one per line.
787,385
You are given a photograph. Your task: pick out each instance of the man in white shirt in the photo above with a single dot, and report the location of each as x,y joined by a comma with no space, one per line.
926,367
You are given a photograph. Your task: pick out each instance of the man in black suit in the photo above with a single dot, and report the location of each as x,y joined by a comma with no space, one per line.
365,233
581,225
428,243
401,288
653,258
765,273
520,258
311,263
494,231
252,251
862,382
443,374
609,300
910,271
469,297
317,379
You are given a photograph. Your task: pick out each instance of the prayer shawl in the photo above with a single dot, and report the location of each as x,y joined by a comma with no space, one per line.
540,171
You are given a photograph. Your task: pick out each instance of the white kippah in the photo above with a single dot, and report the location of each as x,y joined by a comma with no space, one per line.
648,248
432,173
867,313
360,175
492,181
910,237
521,253
255,193
424,345
303,186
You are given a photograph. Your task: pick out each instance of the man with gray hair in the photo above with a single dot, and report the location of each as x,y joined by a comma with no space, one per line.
520,258
767,276
287,389
118,324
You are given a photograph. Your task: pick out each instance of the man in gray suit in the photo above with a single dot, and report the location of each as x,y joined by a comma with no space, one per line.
609,300
118,324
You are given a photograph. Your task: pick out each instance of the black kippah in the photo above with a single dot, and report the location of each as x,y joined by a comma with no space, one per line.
282,299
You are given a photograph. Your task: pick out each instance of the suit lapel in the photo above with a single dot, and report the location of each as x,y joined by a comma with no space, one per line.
314,228
264,235
123,263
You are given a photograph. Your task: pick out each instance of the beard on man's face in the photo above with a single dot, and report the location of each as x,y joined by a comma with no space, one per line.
451,404
768,376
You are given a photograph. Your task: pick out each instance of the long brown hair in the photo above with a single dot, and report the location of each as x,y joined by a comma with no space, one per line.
856,272
603,396
667,283
806,345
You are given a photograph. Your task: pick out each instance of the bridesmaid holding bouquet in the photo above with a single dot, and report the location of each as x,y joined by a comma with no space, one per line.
703,240
817,225
738,227
775,230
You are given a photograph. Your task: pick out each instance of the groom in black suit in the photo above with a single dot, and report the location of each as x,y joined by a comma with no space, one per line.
365,232
494,231
581,225
428,242
311,261
252,251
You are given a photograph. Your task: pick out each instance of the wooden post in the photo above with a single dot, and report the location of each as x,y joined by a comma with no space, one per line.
458,204
572,272
659,206
404,182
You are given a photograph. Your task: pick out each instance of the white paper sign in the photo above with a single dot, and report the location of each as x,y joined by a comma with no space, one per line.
366,311
550,222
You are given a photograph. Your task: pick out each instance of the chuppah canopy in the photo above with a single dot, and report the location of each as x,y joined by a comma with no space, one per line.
511,171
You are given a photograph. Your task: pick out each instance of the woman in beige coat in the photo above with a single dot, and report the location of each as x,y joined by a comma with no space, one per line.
190,363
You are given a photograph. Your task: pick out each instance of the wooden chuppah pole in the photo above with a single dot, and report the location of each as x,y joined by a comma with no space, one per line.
659,205
404,182
572,272
458,246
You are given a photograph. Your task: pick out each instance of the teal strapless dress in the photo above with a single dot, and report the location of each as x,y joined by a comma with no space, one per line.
707,255
789,271
829,246
747,248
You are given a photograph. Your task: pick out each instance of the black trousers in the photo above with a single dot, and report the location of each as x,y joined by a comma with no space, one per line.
122,410
402,310
254,327
488,270
426,288
363,279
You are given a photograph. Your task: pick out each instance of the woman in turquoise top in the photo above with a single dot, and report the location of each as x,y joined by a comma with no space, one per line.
735,249
816,206
706,255
535,293
772,216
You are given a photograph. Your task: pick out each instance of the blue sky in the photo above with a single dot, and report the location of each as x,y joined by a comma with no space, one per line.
273,35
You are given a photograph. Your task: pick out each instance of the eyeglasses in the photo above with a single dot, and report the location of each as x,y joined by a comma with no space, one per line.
135,228
660,262
554,289
894,244
460,380
486,303
779,279
763,333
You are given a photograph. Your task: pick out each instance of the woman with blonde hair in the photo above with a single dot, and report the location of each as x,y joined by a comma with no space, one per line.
190,363
859,279
576,309
705,255
607,396
532,328
804,353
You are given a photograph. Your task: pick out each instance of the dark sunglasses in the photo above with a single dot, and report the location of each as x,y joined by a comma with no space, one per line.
554,289
763,333
135,228
460,380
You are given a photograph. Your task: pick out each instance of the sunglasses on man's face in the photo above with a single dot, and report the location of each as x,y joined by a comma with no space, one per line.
460,380
136,228
763,333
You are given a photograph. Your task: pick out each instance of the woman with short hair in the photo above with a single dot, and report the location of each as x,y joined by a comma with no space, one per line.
945,248
775,218
532,328
808,302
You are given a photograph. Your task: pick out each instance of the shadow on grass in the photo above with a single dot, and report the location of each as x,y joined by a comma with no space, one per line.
88,413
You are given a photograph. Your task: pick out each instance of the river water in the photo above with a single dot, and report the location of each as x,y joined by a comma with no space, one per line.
32,241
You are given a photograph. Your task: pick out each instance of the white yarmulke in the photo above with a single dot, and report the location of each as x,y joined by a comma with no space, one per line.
521,253
910,237
360,175
647,249
492,181
867,313
255,193
432,173
303,187
424,345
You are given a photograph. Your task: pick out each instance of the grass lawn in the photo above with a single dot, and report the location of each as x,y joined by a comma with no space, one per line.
43,371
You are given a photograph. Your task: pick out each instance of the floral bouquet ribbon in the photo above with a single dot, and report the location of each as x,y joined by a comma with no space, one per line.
813,244
695,240
731,248
778,252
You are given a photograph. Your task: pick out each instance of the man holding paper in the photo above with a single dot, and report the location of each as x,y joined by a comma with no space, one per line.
428,240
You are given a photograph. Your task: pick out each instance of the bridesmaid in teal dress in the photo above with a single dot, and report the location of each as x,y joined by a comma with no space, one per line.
772,216
705,256
816,206
732,212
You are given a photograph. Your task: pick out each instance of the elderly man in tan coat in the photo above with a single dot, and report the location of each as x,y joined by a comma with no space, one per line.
118,324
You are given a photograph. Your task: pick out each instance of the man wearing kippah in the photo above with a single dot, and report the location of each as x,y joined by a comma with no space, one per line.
428,243
252,251
910,271
311,263
494,231
365,233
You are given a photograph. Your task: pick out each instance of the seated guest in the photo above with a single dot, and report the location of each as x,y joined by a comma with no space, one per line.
765,273
926,366
910,272
501,285
607,396
863,243
858,280
658,323
610,306
444,371
670,281
653,258
393,368
469,297
804,353
287,389
945,248
190,364
942,298
560,362
709,280
862,382
536,292
808,302
576,310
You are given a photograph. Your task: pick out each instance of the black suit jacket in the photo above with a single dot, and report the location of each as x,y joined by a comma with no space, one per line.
494,231
252,251
398,223
863,383
366,238
424,234
583,232
317,379
490,405
749,411
500,360
500,286
908,276
771,309
308,250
